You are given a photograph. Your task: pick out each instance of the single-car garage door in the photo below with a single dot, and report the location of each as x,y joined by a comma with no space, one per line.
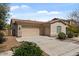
30,32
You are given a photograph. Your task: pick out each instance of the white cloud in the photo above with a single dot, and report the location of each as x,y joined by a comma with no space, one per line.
12,8
43,11
55,12
47,12
24,6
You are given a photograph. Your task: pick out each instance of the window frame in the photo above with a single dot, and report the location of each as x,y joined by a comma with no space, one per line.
59,28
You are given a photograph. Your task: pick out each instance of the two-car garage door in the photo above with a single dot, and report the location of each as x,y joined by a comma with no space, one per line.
30,32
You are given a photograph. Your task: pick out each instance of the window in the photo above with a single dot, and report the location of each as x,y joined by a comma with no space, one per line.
58,29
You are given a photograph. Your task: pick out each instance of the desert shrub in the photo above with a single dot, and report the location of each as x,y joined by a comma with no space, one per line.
28,49
61,36
76,34
70,35
1,37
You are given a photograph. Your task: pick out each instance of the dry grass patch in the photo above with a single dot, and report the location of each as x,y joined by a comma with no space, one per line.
8,44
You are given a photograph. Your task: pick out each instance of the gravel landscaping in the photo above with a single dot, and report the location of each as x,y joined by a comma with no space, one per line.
8,44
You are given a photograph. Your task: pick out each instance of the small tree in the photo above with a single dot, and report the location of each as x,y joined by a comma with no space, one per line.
4,9
75,16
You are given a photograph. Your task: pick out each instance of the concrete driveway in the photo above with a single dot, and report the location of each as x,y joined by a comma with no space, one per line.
52,46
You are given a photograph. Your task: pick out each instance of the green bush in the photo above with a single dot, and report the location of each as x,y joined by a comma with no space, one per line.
61,36
28,49
73,29
76,34
1,37
70,35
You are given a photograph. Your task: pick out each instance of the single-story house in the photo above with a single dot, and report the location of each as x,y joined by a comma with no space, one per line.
22,28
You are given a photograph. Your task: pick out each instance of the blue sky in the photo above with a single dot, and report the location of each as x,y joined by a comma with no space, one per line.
42,11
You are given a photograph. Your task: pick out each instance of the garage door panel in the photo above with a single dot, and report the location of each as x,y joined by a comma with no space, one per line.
30,32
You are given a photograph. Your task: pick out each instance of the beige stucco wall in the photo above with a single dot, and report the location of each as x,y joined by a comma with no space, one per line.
41,30
19,30
53,30
47,31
